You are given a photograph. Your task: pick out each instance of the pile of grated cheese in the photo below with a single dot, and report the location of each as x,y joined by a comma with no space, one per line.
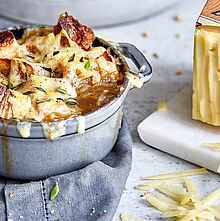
176,196
213,146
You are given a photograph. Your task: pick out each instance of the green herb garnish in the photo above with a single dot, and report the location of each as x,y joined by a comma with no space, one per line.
47,69
10,85
14,119
71,101
31,120
87,65
60,99
27,77
17,86
41,89
55,53
155,55
72,58
54,192
32,57
62,91
28,92
43,100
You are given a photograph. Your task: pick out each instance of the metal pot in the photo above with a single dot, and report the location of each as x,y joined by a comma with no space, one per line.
93,13
35,157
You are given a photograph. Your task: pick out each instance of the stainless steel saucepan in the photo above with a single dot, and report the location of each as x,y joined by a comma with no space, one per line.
35,157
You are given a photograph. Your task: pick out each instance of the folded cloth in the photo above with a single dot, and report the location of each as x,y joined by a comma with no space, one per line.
91,193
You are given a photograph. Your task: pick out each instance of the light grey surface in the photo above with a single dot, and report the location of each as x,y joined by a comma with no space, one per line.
174,55
92,13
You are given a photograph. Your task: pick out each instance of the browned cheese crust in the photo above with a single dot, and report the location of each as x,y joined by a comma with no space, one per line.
79,33
6,38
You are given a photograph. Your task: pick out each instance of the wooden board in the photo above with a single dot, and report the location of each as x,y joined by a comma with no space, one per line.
210,14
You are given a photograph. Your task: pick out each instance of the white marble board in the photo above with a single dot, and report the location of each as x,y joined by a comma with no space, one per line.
175,132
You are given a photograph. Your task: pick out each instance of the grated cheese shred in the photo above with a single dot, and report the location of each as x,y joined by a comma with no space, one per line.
162,106
81,124
185,173
213,146
176,196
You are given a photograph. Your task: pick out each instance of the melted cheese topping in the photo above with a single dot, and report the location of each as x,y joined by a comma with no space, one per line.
81,124
52,72
54,130
135,80
24,128
47,77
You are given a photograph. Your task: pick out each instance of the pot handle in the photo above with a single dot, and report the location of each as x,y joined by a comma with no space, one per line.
130,51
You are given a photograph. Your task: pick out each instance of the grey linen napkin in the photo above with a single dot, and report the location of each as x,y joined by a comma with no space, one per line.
92,193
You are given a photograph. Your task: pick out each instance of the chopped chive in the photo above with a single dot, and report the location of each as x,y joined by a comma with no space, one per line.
31,120
55,53
47,69
87,65
14,119
155,55
17,86
10,85
28,92
62,91
26,76
72,58
54,192
71,101
30,56
41,89
60,99
43,100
